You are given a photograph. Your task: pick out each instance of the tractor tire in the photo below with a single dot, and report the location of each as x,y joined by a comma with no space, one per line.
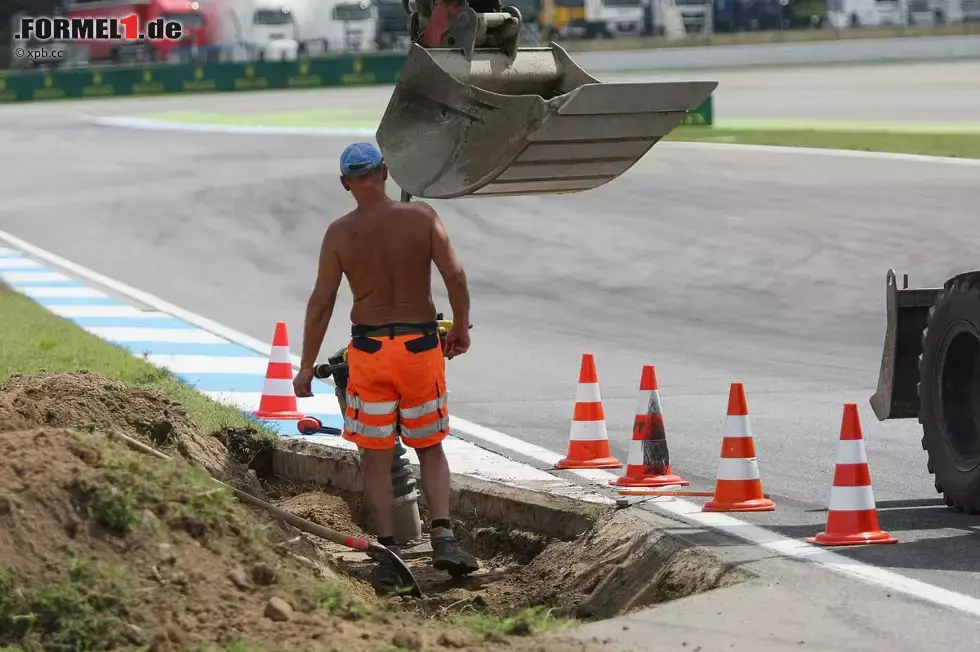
949,394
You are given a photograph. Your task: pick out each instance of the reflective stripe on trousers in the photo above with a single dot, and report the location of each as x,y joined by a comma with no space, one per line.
420,411
377,408
417,422
426,431
375,430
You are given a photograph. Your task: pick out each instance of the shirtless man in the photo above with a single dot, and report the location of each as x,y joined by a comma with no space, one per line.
397,372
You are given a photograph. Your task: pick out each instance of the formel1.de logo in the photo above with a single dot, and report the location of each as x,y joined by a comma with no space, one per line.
98,29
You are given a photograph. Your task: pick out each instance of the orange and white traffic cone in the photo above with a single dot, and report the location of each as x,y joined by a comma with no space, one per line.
738,487
852,517
648,463
588,439
278,396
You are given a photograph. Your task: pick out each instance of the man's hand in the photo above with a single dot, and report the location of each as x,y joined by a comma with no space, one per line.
457,340
303,383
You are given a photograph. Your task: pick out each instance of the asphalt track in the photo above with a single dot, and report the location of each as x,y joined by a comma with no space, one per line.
714,265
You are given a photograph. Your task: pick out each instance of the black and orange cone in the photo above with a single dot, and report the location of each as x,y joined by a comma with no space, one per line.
648,462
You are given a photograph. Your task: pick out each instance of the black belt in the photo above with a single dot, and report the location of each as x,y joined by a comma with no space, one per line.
395,328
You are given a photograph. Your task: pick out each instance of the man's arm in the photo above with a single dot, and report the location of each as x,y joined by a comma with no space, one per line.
320,307
444,256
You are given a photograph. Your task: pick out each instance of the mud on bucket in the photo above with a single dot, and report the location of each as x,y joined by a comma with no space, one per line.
534,124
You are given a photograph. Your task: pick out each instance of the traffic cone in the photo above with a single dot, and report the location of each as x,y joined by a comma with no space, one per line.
588,440
738,487
278,396
852,517
648,463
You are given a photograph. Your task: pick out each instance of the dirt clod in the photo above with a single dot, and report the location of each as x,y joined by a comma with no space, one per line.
453,640
264,575
408,640
239,578
278,609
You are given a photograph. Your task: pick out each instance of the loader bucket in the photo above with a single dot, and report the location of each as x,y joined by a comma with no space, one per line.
906,310
533,124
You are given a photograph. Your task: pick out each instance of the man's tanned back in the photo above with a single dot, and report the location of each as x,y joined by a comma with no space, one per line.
386,254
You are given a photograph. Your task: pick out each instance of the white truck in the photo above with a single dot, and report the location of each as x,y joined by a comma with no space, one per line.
283,29
942,12
850,14
697,16
353,25
274,34
603,18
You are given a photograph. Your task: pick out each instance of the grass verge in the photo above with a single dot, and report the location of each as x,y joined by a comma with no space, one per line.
931,144
36,340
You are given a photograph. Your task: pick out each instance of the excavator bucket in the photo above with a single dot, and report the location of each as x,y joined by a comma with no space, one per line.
493,123
907,310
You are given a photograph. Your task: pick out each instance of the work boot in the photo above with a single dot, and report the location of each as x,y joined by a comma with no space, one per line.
385,576
447,555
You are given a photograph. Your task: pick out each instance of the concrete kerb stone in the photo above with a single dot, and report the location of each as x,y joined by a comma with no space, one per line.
607,561
549,515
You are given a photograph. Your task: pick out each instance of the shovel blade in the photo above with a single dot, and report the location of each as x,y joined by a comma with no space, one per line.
534,124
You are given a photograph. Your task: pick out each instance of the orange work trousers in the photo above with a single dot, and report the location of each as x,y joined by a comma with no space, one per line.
396,385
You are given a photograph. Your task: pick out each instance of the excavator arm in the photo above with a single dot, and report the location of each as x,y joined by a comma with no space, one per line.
475,114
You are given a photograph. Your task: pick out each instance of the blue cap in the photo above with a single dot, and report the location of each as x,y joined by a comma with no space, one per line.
360,158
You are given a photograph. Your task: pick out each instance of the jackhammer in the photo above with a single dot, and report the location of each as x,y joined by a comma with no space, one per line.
408,522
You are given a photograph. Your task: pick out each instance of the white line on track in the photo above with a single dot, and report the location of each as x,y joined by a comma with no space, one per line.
171,125
28,277
41,292
690,511
132,122
136,334
206,364
78,312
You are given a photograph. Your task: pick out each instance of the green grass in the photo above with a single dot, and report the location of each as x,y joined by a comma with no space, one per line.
237,646
962,145
129,492
313,594
527,622
35,340
85,611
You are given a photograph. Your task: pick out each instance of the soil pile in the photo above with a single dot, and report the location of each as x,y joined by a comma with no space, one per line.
104,548
83,399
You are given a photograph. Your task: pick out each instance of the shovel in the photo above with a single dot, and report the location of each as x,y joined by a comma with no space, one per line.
404,573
